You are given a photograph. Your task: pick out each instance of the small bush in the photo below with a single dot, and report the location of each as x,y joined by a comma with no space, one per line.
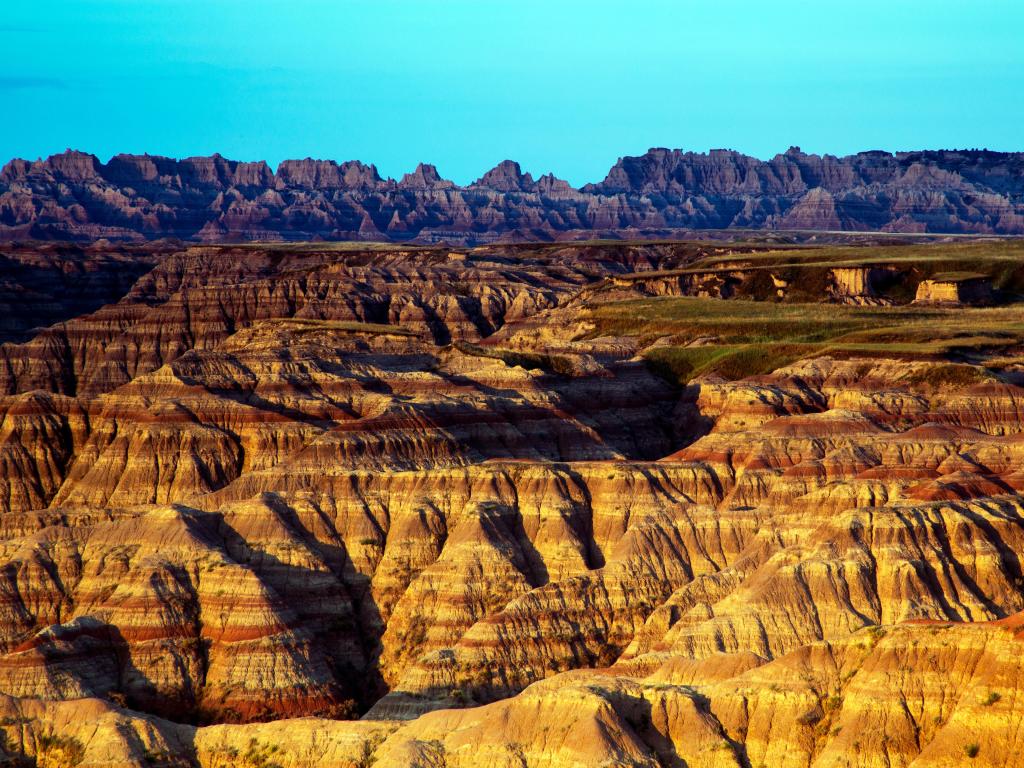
369,753
991,699
811,716
53,751
256,755
972,750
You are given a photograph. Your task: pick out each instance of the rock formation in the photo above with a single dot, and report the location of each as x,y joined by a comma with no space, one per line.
438,507
954,289
74,196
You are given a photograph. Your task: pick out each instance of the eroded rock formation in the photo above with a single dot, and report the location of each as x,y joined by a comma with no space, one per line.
75,196
309,505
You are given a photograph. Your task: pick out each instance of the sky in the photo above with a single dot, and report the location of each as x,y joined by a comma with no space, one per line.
562,86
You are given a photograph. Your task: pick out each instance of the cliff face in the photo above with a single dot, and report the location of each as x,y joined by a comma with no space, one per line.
272,490
75,196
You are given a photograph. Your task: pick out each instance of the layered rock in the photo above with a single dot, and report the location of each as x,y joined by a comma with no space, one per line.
881,697
198,297
75,196
271,490
955,289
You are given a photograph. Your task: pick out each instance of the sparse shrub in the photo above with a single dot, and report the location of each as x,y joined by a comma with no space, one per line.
876,633
972,750
346,709
369,752
811,716
991,699
255,755
54,751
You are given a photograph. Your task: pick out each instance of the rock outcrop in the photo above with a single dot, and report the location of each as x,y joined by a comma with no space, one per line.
431,507
74,196
954,289
873,699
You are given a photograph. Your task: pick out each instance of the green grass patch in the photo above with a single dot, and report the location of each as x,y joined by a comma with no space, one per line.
739,338
531,361
957,277
305,324
685,319
971,254
679,365
745,322
992,698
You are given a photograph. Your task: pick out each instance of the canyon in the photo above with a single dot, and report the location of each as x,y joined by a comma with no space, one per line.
662,193
720,502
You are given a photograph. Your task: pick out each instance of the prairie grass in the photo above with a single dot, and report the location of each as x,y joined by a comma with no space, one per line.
533,361
739,338
300,324
973,256
808,269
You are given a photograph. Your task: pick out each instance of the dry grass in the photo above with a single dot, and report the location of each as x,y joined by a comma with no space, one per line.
682,364
745,338
1002,261
300,324
973,254
531,361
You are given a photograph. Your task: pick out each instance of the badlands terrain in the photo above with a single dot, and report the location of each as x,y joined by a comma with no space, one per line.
75,196
627,504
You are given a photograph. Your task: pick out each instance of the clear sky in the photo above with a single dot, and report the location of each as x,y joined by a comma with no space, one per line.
565,86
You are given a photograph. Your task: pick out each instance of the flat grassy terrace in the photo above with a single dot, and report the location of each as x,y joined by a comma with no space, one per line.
898,268
740,338
973,256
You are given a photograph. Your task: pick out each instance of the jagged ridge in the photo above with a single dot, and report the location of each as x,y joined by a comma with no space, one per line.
75,196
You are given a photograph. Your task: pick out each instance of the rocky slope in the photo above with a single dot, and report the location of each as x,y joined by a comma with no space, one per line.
43,285
869,700
318,505
75,196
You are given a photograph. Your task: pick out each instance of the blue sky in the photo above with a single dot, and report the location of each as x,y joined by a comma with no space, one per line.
565,86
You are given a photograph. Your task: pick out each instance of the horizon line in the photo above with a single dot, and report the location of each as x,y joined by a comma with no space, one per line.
275,169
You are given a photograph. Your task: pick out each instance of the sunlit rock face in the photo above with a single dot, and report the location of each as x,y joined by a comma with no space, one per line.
307,505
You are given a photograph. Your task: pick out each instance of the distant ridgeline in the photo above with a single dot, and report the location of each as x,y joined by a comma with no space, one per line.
73,196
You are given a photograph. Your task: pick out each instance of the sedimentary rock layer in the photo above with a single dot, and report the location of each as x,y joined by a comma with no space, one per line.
75,196
313,505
